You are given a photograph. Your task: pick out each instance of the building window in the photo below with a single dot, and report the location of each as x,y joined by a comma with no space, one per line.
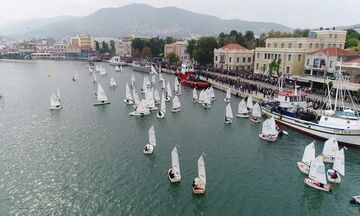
237,59
268,45
275,56
275,45
334,45
330,35
340,46
316,46
288,69
307,62
222,59
329,45
289,46
282,45
300,45
258,55
299,57
229,59
272,55
249,59
257,66
289,57
244,60
279,56
264,67
310,46
216,58
265,55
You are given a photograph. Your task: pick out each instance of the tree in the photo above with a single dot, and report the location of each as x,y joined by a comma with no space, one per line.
277,68
301,33
233,33
138,44
112,47
172,57
169,40
249,36
351,42
157,46
204,53
191,47
146,53
97,46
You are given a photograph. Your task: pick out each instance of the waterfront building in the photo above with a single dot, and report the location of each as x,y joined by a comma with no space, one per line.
106,40
292,51
80,44
233,57
123,48
352,69
179,48
60,50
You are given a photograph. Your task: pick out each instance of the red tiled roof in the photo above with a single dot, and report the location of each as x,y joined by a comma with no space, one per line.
355,61
233,46
336,52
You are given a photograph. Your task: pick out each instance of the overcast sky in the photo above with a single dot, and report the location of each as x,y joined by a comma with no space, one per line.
299,13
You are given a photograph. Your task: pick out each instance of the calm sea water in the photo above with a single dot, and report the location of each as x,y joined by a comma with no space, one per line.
87,160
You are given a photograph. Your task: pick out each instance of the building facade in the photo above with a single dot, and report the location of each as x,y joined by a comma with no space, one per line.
80,44
292,51
352,69
234,57
179,48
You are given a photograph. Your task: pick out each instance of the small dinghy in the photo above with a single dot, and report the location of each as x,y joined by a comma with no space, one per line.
163,86
338,167
156,97
330,147
308,156
201,97
199,183
132,81
194,97
176,104
207,100
228,114
242,110
168,92
256,113
177,87
128,98
95,80
55,102
162,111
112,82
174,172
212,93
101,96
136,99
146,85
317,178
228,96
75,77
149,148
355,200
103,72
249,103
117,68
150,102
141,109
269,131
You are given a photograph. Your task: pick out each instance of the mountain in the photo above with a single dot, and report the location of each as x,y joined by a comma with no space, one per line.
142,19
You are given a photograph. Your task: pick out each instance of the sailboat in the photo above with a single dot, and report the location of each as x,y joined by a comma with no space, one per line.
55,102
212,93
207,99
228,95
161,78
308,156
95,80
146,84
355,200
75,77
128,98
163,86
141,108
101,96
256,113
168,92
201,97
156,97
153,79
162,111
136,99
152,70
117,69
242,110
103,72
269,131
317,177
228,114
338,168
249,103
176,104
194,97
58,93
120,67
132,81
150,102
199,182
177,87
174,172
112,82
149,148
330,147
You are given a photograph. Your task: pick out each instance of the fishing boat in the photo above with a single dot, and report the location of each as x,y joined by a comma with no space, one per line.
331,146
228,114
189,77
228,95
308,156
338,167
168,92
174,172
101,96
149,148
55,103
199,183
112,82
128,97
256,113
212,93
194,96
207,100
317,178
201,97
176,104
269,131
162,111
156,97
132,81
141,109
242,110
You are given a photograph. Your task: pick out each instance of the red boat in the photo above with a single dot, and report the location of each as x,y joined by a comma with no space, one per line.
188,77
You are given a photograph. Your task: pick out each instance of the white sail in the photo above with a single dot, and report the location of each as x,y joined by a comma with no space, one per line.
149,97
120,67
339,162
94,77
228,93
176,88
249,102
201,169
163,104
152,70
330,147
163,85
176,102
102,72
176,82
201,96
112,82
136,99
175,160
160,69
269,127
132,80
128,93
207,98
211,92
152,138
229,113
256,111
317,170
153,79
309,153
168,90
195,97
161,78
145,83
156,95
54,101
75,76
101,96
242,109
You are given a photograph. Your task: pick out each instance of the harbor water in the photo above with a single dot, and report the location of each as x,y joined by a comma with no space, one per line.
87,160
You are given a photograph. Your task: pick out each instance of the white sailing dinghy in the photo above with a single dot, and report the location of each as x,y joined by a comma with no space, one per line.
75,77
242,110
176,104
338,168
174,172
194,97
212,93
162,111
256,113
152,70
153,79
163,86
308,156
141,109
199,183
136,99
269,131
317,178
55,103
249,103
112,82
128,98
120,67
101,96
58,93
103,72
228,114
117,69
207,99
146,84
201,97
156,97
177,88
228,95
95,80
168,92
330,147
132,81
355,200
149,148
150,102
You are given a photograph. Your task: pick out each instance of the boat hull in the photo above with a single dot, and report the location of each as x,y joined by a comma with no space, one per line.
128,102
303,167
160,115
176,110
314,184
101,104
328,175
148,149
270,138
177,177
55,107
242,115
